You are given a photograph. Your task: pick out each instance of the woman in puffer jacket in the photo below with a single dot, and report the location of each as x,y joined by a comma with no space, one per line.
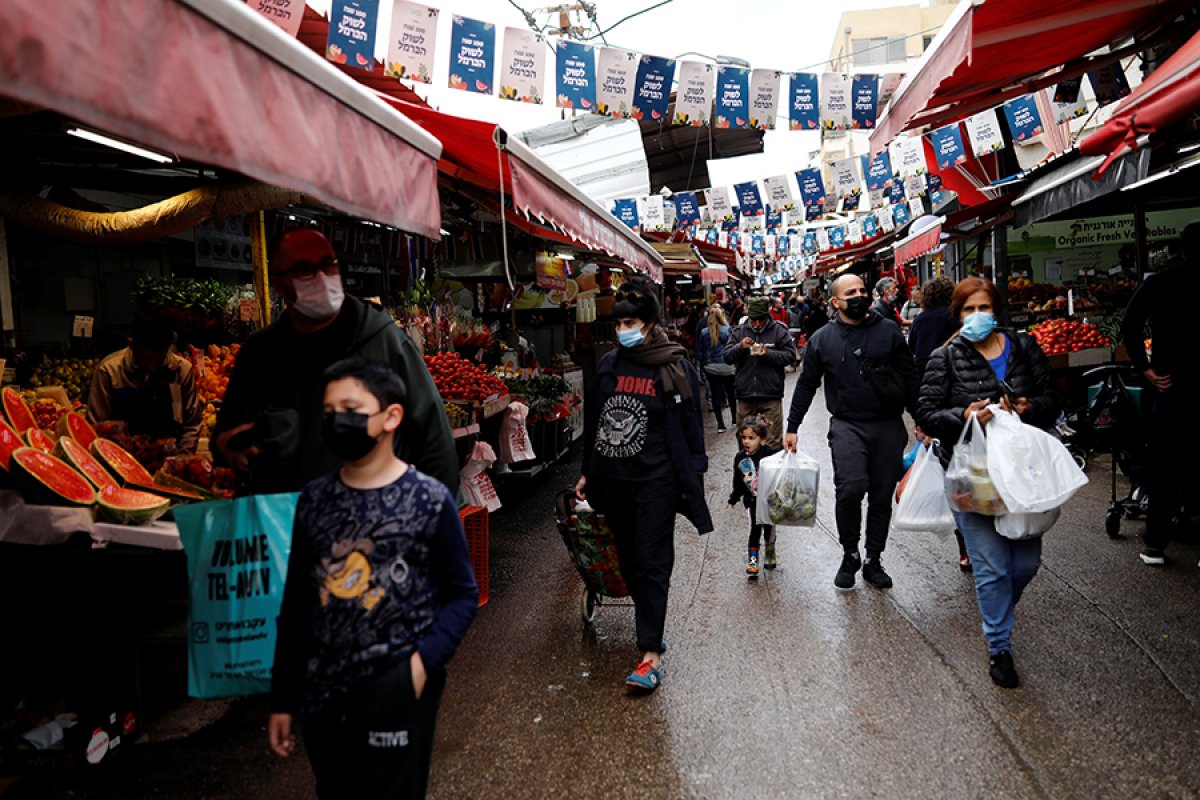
984,364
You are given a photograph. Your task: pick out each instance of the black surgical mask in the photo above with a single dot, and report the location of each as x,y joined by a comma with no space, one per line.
345,434
856,307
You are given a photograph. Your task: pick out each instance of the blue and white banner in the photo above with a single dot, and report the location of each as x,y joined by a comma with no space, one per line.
865,92
779,193
733,94
626,211
837,237
809,245
412,43
653,92
1109,83
835,101
983,130
522,66
472,55
351,40
757,244
1024,119
576,85
933,182
900,215
896,192
615,80
694,97
879,172
813,213
764,98
812,188
948,146
774,218
749,200
687,210
870,226
803,106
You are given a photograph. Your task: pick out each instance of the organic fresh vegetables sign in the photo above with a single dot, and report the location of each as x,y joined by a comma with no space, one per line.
576,75
472,55
654,76
733,88
694,97
412,42
616,77
351,39
803,105
523,66
1024,120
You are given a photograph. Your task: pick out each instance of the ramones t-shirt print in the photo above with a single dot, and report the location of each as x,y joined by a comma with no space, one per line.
631,440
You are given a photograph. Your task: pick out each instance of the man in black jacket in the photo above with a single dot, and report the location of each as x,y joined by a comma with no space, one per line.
762,350
275,393
869,379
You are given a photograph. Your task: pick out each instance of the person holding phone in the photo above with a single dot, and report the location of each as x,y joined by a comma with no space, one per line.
984,365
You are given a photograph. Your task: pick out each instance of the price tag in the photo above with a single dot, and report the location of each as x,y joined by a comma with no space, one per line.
82,328
1070,302
248,310
1115,271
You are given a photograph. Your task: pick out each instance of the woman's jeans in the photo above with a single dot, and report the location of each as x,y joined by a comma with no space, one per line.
1003,568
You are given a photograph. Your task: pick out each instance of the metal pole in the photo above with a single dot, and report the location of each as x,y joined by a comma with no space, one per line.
1140,239
1000,268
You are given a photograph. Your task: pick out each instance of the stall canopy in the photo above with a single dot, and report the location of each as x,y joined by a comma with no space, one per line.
925,239
214,82
1170,93
483,155
990,50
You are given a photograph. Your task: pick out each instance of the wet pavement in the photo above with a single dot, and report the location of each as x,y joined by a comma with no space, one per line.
784,687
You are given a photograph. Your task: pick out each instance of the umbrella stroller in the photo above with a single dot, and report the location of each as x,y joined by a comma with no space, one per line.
593,551
1115,421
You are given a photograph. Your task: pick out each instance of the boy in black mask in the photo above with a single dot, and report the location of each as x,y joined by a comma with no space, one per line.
379,593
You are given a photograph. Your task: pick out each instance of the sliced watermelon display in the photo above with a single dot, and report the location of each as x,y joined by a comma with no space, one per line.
125,467
36,437
9,444
173,493
44,480
73,453
74,425
16,410
131,507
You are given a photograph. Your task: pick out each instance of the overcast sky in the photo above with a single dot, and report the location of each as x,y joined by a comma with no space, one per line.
788,35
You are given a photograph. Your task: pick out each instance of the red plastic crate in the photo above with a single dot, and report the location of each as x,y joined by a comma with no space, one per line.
475,523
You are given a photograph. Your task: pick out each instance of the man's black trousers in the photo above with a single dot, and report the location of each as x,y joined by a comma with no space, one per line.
868,460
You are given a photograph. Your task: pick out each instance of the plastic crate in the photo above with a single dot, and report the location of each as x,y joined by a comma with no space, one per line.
475,523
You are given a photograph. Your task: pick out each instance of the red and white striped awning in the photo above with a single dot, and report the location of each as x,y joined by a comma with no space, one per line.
918,244
714,275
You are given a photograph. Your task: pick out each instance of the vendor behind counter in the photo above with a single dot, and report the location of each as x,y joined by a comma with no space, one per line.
150,387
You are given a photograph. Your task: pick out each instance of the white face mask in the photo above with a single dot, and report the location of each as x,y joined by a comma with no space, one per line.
318,297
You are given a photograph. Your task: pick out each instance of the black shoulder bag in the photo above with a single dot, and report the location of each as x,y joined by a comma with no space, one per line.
881,376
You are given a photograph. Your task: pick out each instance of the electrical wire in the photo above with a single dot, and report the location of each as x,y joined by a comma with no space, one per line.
530,20
626,18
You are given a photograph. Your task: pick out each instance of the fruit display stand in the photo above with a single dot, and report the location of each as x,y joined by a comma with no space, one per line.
158,535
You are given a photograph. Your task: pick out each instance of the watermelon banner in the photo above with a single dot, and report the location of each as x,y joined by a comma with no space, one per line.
835,101
653,92
733,90
523,66
803,109
812,187
865,91
412,42
1024,119
626,211
616,77
896,192
749,200
1109,83
948,146
351,40
576,83
687,211
837,237
774,218
472,55
694,97
870,226
764,98
879,172
900,215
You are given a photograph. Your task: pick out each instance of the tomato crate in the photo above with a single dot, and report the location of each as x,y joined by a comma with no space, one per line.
475,523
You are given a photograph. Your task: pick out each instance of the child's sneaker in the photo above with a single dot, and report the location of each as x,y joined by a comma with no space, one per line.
769,560
752,564
644,677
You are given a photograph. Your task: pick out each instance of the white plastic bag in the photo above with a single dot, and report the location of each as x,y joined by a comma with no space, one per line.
477,486
1031,469
1026,526
514,435
787,490
923,505
969,488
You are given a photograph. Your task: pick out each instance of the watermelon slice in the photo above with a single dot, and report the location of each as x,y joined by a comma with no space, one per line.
73,453
173,493
125,467
9,444
45,480
16,410
131,507
36,437
74,425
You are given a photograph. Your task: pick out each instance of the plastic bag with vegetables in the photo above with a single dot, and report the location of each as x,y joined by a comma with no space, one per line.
787,490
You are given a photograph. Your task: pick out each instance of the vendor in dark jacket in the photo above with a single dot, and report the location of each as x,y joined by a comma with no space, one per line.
934,326
275,391
866,433
762,350
643,458
981,366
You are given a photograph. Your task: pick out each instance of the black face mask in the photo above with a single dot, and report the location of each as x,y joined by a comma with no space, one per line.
856,307
345,434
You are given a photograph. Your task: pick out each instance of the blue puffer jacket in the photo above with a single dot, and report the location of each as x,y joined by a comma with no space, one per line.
706,351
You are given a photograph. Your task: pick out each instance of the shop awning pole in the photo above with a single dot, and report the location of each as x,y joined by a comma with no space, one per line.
1141,240
258,251
1000,268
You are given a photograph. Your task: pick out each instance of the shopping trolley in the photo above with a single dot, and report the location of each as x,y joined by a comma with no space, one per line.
593,551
